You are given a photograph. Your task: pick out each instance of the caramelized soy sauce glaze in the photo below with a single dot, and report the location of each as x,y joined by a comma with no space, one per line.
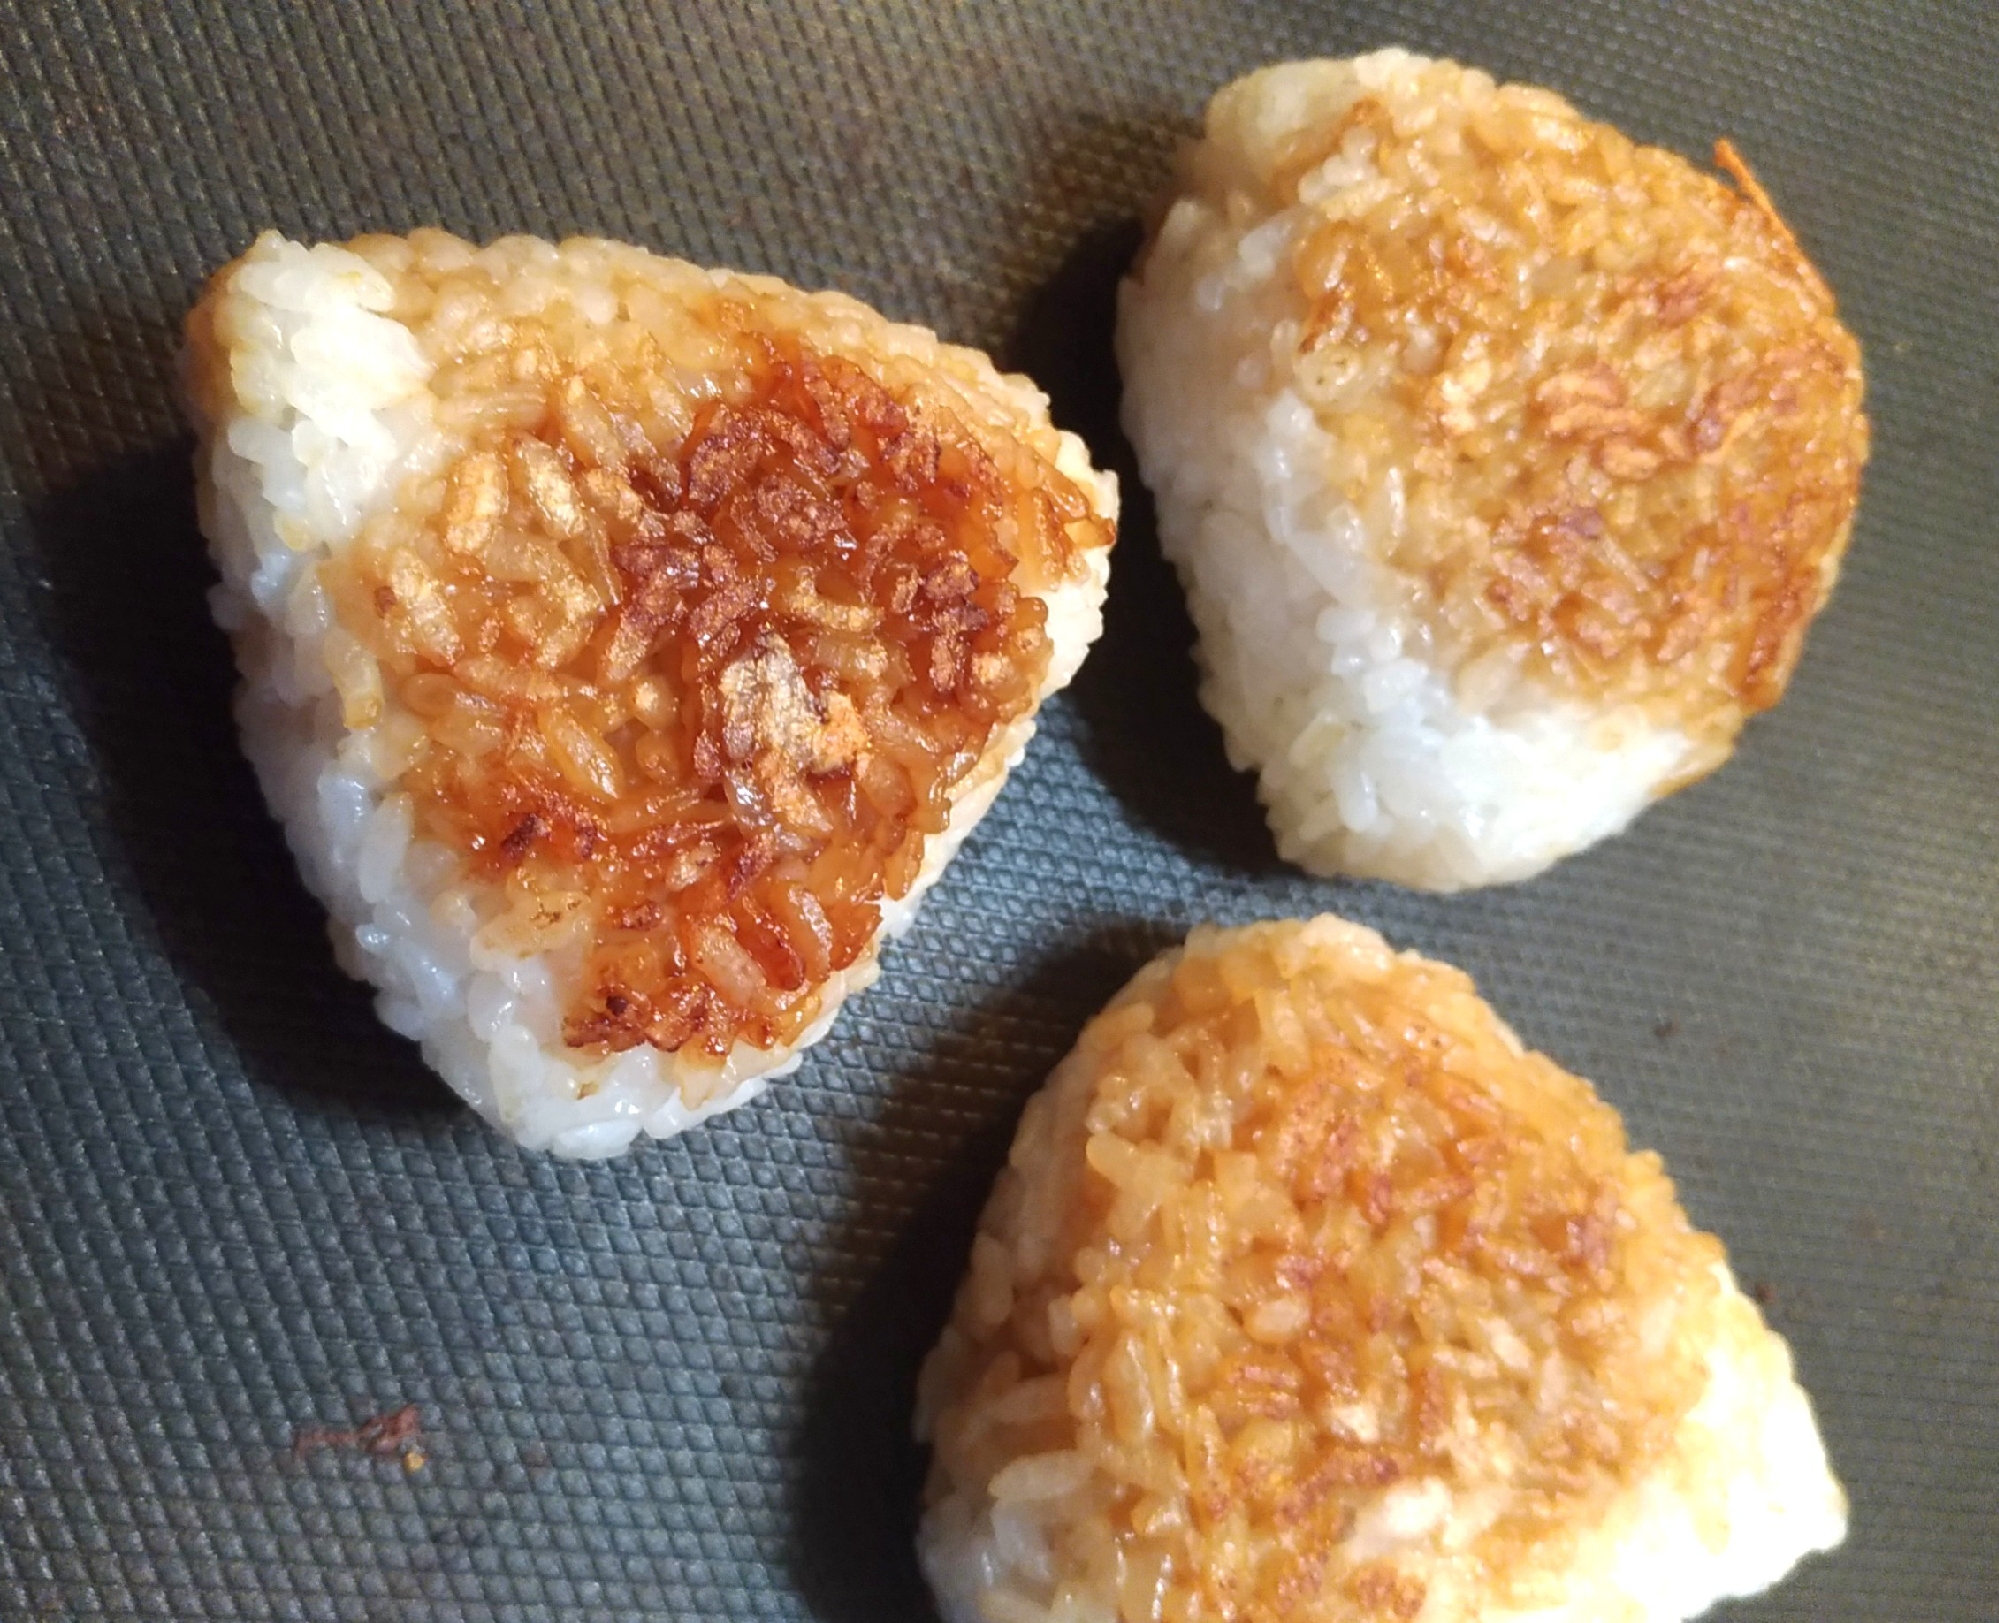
1629,418
698,705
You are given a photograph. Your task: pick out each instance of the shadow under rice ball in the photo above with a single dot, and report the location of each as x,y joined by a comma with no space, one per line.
626,646
1505,460
1309,1293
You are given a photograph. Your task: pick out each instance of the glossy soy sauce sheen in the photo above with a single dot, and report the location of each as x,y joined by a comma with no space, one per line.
693,649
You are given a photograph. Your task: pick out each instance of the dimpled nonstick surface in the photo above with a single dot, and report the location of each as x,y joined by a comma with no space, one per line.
232,1207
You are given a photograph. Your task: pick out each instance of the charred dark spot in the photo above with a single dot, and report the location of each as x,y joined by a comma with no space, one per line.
522,837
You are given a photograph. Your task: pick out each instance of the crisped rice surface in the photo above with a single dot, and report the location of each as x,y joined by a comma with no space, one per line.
1628,418
1297,1223
698,641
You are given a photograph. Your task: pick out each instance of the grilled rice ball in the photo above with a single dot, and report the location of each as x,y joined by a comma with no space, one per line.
625,645
1308,1293
1505,461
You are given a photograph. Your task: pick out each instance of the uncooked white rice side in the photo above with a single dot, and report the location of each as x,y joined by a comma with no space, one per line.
331,417
1377,755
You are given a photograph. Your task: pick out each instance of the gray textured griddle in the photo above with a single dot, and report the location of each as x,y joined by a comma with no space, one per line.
231,1207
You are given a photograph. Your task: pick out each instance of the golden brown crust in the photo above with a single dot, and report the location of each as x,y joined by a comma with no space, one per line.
1629,418
700,667
1334,1232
